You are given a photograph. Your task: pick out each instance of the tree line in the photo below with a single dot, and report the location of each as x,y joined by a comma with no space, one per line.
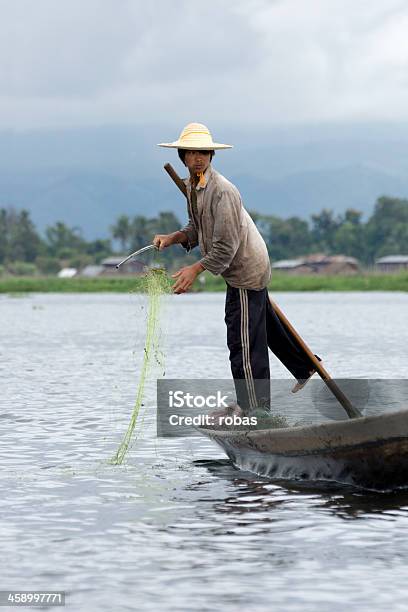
23,250
384,233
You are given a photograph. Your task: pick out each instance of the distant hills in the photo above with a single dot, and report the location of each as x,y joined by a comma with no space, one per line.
87,178
303,193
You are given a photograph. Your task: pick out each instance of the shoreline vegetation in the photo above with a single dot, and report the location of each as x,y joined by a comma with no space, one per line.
25,251
131,284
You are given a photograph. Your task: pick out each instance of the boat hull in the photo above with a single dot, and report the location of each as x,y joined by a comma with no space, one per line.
369,452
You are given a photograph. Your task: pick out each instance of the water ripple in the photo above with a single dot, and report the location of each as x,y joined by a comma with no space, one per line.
178,527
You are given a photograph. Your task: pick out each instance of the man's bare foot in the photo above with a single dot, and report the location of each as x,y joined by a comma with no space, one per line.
302,382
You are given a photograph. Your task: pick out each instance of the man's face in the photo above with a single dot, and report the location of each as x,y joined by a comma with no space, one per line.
197,161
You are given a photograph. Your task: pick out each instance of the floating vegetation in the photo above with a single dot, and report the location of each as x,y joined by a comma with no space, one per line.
268,420
155,284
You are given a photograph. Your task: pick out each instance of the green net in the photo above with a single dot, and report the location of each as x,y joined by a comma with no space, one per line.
155,284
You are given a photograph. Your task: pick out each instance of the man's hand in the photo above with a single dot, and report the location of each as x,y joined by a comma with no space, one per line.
186,277
162,241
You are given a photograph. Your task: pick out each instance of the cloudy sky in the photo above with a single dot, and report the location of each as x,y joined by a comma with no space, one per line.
254,62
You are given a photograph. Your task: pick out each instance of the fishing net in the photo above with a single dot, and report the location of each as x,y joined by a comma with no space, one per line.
155,284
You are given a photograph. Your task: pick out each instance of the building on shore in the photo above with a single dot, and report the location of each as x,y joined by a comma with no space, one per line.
318,263
132,267
92,270
106,268
67,273
392,263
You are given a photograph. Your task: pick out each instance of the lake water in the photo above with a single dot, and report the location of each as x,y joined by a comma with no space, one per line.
177,528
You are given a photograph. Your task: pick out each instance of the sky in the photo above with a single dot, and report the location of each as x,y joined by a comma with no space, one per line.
252,63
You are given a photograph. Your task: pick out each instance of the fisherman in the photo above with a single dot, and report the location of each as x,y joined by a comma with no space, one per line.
232,246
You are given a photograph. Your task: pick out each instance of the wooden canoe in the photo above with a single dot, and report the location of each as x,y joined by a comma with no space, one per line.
368,452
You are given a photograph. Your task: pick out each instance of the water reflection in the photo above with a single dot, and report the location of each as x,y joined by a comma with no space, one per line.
255,494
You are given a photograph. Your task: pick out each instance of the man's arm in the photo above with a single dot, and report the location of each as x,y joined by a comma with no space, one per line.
227,233
162,241
191,236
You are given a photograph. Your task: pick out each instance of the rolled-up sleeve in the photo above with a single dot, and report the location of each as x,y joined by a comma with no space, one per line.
227,233
192,237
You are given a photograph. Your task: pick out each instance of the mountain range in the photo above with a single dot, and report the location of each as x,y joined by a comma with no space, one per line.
87,178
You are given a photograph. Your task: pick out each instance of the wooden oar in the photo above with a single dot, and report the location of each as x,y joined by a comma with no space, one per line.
175,177
351,410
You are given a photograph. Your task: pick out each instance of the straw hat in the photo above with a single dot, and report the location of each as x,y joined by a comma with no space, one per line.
195,136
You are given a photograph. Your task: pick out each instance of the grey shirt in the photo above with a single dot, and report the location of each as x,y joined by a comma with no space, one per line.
229,240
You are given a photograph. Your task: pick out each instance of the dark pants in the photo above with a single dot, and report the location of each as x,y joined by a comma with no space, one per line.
252,327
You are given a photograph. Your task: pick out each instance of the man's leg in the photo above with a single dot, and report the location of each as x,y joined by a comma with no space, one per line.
283,345
245,317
